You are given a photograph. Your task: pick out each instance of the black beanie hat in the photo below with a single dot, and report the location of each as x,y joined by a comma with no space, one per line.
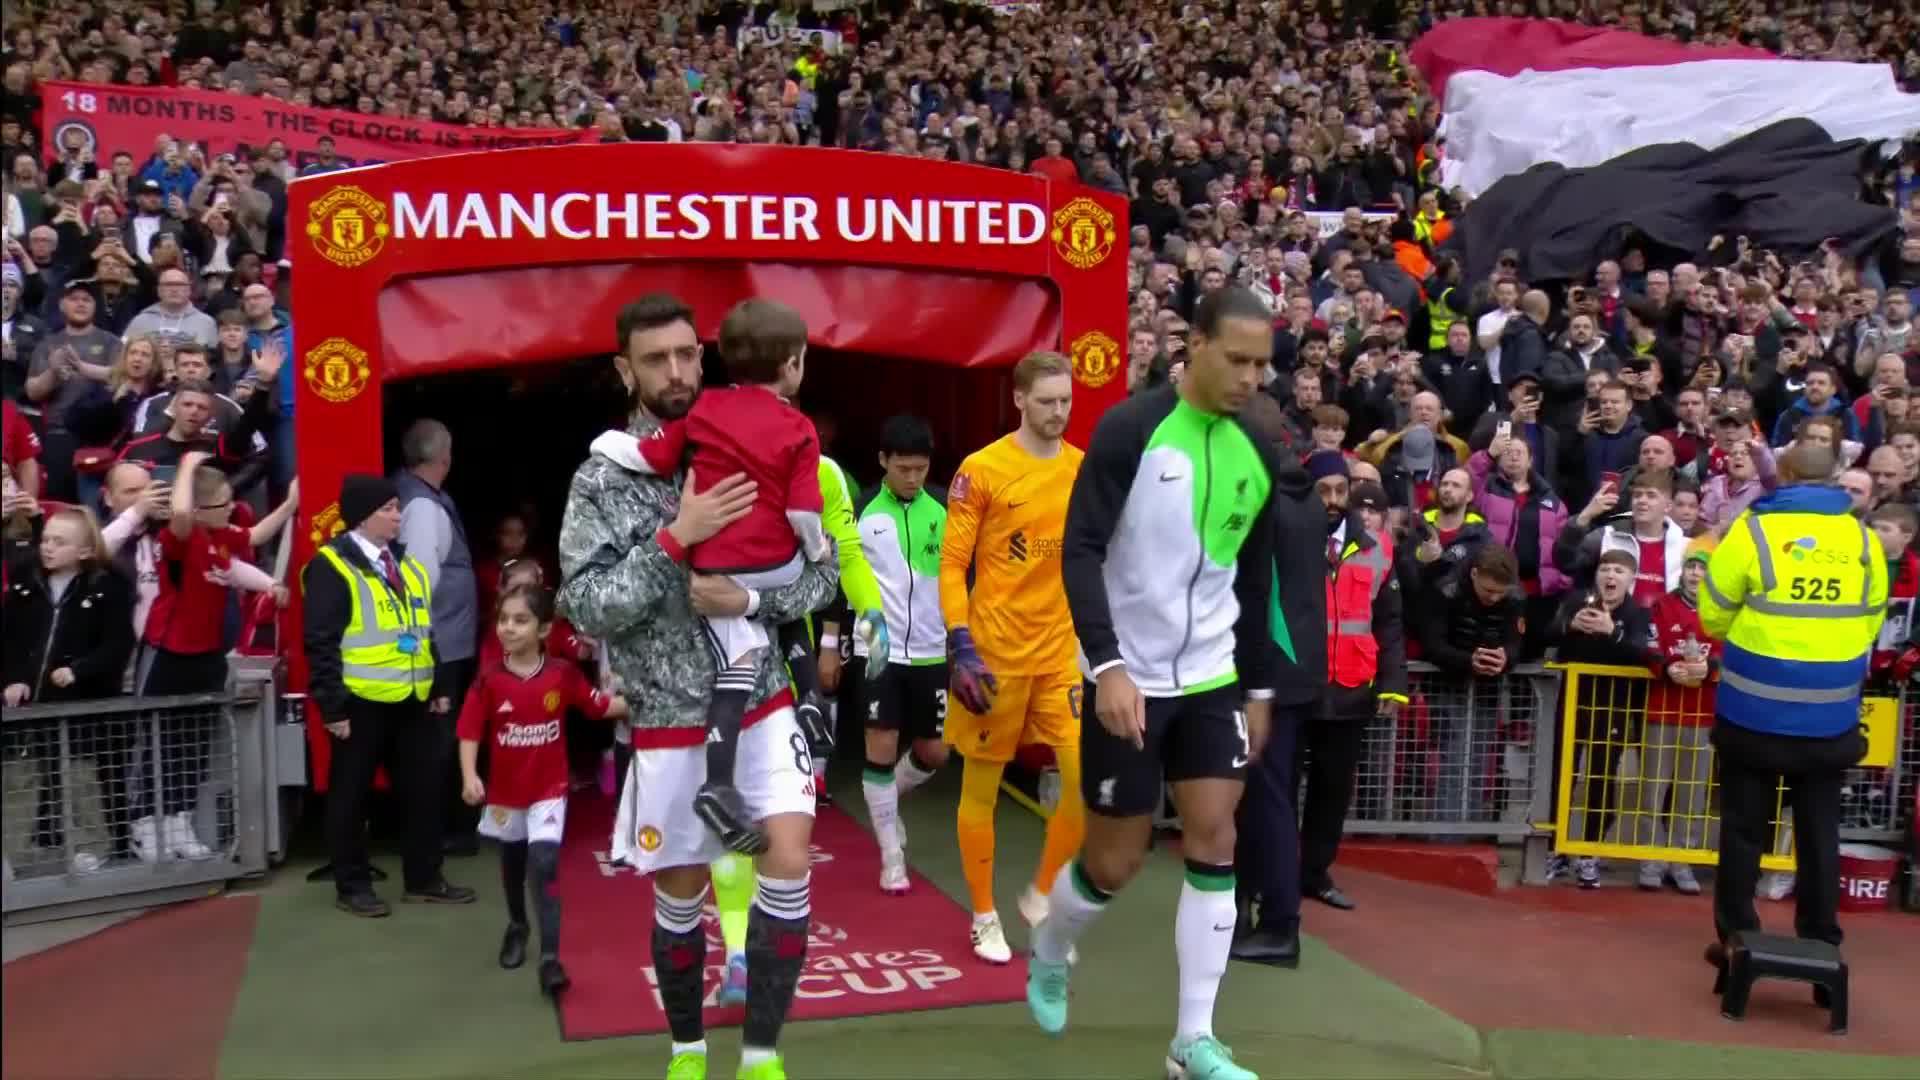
363,493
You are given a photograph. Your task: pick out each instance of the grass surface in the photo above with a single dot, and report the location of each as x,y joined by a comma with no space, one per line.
419,995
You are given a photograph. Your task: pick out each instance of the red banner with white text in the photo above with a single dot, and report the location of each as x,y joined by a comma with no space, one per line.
132,118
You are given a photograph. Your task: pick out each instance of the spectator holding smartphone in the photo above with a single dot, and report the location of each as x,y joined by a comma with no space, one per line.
1472,634
186,652
1610,435
1603,625
1646,530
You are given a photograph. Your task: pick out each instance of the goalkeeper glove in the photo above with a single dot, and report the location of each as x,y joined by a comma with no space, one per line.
973,684
871,629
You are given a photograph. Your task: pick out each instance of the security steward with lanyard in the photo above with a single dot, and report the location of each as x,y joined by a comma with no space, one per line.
369,642
1366,673
1797,590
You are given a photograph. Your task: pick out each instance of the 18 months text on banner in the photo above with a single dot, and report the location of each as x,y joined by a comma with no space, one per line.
132,118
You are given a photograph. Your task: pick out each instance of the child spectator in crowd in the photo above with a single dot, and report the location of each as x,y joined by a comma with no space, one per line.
516,707
750,427
1604,625
1685,662
69,633
186,650
1893,655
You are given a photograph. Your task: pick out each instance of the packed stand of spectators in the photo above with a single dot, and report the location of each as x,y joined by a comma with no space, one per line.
1529,441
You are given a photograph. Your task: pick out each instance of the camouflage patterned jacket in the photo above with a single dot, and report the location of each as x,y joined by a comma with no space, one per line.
619,586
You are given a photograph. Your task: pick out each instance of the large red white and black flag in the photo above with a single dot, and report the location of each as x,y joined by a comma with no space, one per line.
1516,93
1571,138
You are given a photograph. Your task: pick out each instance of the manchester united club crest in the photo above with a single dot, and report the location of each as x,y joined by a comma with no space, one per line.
1096,359
649,839
326,525
1083,233
337,370
551,702
348,227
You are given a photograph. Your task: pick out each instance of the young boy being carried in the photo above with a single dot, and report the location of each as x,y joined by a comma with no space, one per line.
750,427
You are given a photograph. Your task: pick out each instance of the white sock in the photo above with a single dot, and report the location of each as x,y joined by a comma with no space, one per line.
784,898
1073,905
691,1048
909,775
754,1055
677,916
1202,936
883,808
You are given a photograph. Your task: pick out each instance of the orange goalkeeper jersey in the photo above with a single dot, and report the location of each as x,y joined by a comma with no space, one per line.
1006,514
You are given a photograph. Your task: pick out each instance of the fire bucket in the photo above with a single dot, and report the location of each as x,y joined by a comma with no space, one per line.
1866,877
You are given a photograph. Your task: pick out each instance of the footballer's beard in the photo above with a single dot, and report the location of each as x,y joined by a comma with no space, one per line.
671,404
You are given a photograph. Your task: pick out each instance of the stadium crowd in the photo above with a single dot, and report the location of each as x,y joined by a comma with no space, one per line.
1545,460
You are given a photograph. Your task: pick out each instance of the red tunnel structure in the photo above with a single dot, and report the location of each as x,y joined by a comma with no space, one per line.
475,261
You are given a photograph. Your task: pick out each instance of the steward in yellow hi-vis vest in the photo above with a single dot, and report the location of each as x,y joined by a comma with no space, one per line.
368,631
1797,590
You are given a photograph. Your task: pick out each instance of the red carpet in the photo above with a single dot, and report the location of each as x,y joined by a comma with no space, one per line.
869,953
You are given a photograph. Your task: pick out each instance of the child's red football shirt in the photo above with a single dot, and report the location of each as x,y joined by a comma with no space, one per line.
523,722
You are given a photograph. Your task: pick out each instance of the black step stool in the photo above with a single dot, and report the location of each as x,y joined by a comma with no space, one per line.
1751,956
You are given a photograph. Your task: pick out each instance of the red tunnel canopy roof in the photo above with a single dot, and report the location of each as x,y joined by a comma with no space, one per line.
431,325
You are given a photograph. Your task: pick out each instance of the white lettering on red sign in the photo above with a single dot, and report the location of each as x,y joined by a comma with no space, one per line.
766,219
831,972
1865,888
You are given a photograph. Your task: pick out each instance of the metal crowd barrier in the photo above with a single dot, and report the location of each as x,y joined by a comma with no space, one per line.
127,802
1465,757
1637,781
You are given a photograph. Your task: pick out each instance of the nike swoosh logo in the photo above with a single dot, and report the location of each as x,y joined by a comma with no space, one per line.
1165,477
1239,762
1227,929
1017,505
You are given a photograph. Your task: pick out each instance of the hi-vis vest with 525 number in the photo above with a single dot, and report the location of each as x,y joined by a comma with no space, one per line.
1797,590
373,664
1353,656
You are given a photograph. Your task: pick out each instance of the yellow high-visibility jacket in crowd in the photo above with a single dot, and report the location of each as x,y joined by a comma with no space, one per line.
1797,590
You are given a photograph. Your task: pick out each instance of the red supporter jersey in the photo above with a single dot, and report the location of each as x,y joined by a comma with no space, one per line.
745,429
190,614
1650,575
523,723
1676,628
21,444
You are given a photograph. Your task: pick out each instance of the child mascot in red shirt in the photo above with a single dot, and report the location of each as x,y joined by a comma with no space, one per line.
519,704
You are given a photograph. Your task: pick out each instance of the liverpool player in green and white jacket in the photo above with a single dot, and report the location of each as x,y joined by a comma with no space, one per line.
902,524
1167,563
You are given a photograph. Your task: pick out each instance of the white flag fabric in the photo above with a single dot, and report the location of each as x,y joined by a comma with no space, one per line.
1519,92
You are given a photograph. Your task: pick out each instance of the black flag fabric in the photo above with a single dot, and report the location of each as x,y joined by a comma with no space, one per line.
1787,188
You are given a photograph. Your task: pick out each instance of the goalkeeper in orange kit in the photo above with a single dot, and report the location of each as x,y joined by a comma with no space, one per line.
1013,655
